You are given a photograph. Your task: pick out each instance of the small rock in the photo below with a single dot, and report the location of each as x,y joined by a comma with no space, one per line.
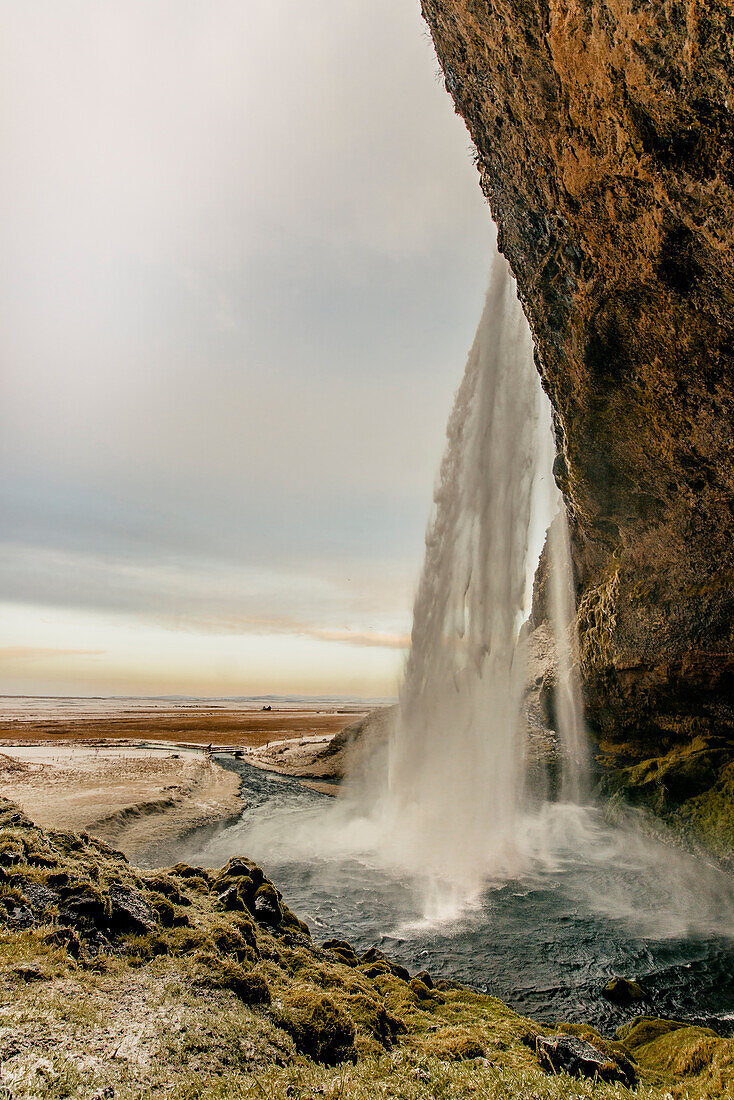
374,955
267,906
18,917
30,973
425,977
623,992
96,942
66,937
129,911
578,1058
38,896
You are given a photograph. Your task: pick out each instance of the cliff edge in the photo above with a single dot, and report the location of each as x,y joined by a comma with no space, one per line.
605,146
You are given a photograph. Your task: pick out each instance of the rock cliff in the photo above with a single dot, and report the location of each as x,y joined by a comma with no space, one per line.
605,146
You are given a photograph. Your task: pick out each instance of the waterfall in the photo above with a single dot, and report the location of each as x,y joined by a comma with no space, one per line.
452,792
568,703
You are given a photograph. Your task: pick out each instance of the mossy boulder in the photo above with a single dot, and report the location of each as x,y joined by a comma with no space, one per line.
618,1051
455,1044
319,1027
12,850
290,920
374,969
230,940
165,884
579,1058
423,992
374,958
238,896
211,971
237,868
645,1029
685,1051
129,910
267,907
623,992
164,910
187,872
343,951
369,1014
83,900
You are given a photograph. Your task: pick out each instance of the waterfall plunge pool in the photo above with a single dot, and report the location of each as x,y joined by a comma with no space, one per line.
538,908
594,902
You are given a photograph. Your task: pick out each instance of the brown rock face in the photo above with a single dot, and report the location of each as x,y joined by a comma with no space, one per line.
605,146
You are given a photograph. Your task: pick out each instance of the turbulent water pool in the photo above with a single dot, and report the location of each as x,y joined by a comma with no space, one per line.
600,902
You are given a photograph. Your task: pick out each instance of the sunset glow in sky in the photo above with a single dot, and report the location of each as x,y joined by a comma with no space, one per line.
243,255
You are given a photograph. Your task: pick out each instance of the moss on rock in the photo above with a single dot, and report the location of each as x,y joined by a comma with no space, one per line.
319,1027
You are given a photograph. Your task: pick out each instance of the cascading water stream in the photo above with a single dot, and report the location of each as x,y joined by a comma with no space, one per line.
453,788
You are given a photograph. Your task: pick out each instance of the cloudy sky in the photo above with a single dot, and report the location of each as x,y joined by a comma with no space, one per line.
243,255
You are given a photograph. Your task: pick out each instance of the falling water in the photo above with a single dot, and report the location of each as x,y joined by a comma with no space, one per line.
435,853
568,703
454,781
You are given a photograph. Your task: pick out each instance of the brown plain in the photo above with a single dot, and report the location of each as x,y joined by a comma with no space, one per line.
217,727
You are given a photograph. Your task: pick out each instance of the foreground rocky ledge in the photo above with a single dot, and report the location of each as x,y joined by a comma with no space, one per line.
192,982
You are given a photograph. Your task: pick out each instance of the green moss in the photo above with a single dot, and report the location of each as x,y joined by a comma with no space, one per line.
164,909
343,951
212,971
422,992
643,1030
187,941
454,1044
684,1051
290,920
319,1027
12,848
374,969
166,885
142,948
85,896
371,1018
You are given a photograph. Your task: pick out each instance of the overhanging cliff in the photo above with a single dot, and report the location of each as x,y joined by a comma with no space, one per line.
605,147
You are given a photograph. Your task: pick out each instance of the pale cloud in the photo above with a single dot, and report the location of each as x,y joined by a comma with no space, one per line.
242,254
35,653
